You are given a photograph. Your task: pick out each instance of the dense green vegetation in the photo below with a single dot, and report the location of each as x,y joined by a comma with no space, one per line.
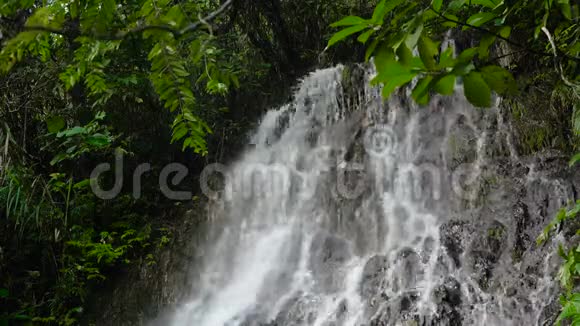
397,28
164,81
159,81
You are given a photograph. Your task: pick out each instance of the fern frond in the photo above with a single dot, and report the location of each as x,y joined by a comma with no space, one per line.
170,80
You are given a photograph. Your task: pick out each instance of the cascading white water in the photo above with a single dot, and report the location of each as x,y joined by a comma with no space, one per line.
335,218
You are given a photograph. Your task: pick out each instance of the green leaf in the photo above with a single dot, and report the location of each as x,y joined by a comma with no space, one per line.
179,133
405,55
499,79
349,21
345,33
445,85
456,4
437,5
186,143
364,37
100,115
98,140
391,74
565,9
577,268
486,42
505,31
55,124
467,55
476,90
568,311
393,83
72,132
451,23
384,58
428,50
82,184
480,18
371,49
575,159
462,69
74,9
58,158
412,39
108,8
378,12
383,8
446,59
4,293
421,92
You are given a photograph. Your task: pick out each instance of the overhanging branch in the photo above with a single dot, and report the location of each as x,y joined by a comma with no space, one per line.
207,19
35,28
487,31
140,29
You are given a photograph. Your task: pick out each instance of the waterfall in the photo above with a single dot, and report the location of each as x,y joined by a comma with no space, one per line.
352,210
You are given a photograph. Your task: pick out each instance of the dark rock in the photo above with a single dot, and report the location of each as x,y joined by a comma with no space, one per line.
522,240
297,311
448,293
373,277
328,254
550,313
485,251
453,234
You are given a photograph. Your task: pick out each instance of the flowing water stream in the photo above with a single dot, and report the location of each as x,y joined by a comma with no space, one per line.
352,211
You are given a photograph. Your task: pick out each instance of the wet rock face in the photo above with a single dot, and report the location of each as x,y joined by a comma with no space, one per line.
299,310
453,235
486,250
373,283
522,238
461,143
328,254
448,293
448,298
481,258
373,276
496,246
400,310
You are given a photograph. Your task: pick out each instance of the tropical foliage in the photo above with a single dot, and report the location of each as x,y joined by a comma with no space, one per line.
88,36
156,80
410,40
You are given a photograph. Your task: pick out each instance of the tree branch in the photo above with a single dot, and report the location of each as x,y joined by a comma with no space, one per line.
209,18
491,60
35,28
140,29
487,31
